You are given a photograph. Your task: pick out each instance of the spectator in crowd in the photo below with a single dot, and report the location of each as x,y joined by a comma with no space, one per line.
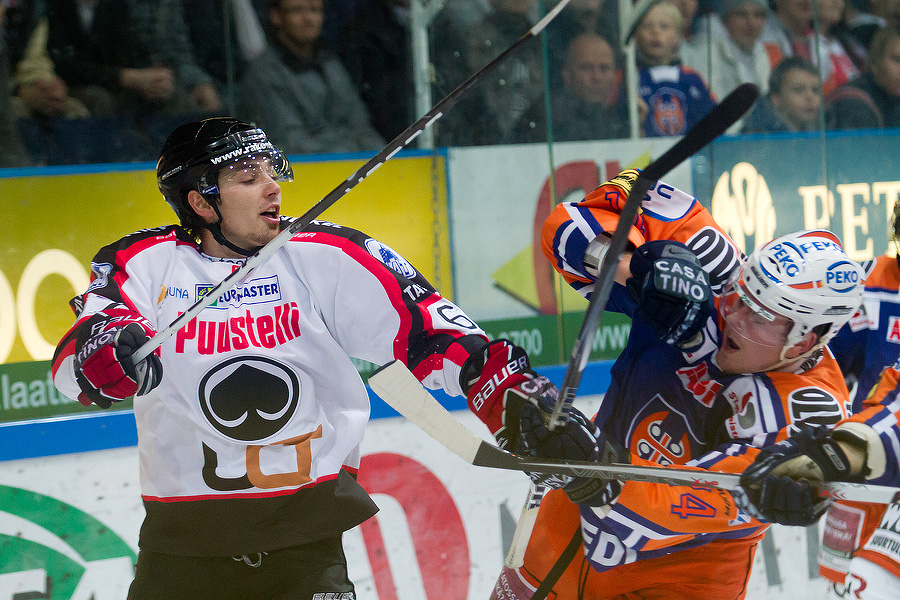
860,23
845,57
676,96
789,32
518,81
12,152
793,103
376,50
89,45
586,106
470,123
161,27
40,92
873,99
132,57
300,92
844,29
238,37
729,52
580,16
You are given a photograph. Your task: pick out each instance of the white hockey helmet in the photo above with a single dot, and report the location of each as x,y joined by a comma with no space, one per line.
804,276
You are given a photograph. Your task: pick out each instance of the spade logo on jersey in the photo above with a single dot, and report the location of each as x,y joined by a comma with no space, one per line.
386,255
249,398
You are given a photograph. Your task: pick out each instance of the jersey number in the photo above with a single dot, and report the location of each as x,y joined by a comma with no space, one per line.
692,506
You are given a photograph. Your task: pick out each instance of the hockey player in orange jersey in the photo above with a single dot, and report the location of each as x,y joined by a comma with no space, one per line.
705,380
853,553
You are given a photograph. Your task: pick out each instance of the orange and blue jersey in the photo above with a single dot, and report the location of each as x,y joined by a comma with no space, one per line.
671,406
676,96
863,348
871,340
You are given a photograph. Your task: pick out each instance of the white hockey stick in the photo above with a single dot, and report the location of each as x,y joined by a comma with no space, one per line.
402,391
714,124
385,154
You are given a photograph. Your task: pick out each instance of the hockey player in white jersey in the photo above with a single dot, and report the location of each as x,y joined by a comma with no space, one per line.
250,417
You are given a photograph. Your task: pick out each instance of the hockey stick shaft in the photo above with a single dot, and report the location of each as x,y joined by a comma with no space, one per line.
299,224
402,391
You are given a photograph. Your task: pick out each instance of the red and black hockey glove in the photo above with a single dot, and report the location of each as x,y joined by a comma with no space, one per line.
671,290
103,367
516,403
497,381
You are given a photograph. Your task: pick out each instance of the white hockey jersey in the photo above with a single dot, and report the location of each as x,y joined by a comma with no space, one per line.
252,440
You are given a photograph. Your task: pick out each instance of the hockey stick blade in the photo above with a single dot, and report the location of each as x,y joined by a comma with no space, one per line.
402,391
299,224
711,126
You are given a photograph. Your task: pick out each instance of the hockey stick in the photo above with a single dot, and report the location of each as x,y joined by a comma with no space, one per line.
403,392
704,131
299,224
714,124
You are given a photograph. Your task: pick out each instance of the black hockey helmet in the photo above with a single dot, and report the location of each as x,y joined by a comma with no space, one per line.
194,154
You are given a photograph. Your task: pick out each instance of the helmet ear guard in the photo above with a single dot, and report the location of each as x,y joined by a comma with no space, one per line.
807,278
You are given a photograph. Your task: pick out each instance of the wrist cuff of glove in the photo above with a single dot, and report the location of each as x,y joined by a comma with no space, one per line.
492,357
834,462
593,492
593,256
858,442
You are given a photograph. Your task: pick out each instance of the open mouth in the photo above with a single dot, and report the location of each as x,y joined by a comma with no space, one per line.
272,213
729,342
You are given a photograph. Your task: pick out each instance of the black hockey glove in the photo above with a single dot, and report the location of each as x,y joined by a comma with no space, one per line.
103,367
577,439
671,290
778,486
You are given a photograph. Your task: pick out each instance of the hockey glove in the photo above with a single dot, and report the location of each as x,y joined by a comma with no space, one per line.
625,180
103,366
493,380
778,486
577,439
671,290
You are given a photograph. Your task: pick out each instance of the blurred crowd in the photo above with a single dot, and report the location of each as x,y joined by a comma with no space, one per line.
92,81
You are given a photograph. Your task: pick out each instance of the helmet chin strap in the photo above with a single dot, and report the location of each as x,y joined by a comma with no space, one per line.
216,230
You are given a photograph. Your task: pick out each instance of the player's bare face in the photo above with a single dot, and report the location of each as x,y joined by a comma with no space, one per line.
751,343
250,203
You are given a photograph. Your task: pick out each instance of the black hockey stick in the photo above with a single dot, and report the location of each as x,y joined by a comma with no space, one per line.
707,129
299,224
402,391
714,124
